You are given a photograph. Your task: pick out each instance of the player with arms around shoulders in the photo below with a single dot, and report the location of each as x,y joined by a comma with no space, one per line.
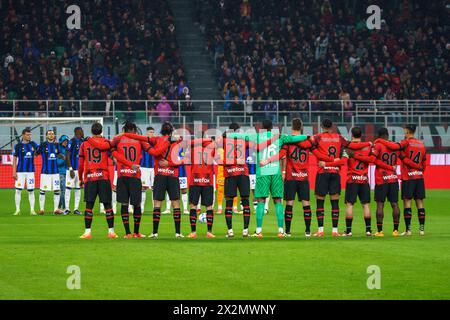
328,178
72,181
413,157
268,177
23,169
386,182
49,150
357,185
93,174
297,176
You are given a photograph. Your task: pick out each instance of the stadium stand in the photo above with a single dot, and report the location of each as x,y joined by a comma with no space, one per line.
125,50
320,49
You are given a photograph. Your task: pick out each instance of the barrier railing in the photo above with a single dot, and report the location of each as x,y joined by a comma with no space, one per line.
209,111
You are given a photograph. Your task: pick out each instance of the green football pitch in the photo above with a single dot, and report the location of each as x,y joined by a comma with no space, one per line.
36,251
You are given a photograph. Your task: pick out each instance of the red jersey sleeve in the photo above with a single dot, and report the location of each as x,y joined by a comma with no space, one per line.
81,162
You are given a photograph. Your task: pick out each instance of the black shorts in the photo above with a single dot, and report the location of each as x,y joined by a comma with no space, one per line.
413,189
357,190
386,190
100,188
293,187
163,184
206,192
232,184
328,183
129,190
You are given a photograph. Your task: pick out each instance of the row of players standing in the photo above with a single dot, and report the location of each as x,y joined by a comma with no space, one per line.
126,147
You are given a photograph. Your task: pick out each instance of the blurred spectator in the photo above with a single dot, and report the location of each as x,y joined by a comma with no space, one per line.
163,110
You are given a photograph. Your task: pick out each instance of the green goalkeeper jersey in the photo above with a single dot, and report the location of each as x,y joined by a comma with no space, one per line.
270,150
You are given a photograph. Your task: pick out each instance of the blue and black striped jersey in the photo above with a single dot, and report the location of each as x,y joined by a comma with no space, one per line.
251,161
49,152
147,160
74,147
25,156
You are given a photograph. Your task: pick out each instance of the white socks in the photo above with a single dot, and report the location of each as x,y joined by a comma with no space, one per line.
67,198
77,198
31,199
56,197
42,200
144,196
114,201
184,199
168,203
258,230
17,198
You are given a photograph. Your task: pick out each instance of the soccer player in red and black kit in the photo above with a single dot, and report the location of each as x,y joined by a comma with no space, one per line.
128,151
166,177
328,179
357,185
386,182
93,173
413,157
297,176
201,182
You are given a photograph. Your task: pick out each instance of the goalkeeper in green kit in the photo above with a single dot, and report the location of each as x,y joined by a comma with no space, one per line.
268,177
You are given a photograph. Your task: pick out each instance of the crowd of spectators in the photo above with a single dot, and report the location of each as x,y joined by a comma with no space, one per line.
266,50
125,50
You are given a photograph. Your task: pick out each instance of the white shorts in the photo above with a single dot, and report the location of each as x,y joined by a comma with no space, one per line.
25,178
147,177
50,182
72,183
252,178
183,182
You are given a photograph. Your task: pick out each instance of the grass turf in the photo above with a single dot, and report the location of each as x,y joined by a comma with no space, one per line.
35,252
